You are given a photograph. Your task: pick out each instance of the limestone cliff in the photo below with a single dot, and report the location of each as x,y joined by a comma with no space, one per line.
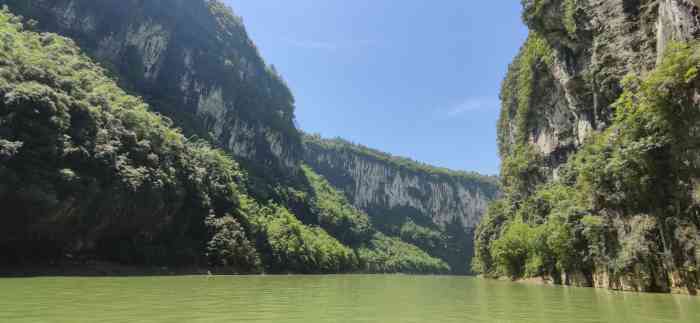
595,191
193,62
376,181
593,45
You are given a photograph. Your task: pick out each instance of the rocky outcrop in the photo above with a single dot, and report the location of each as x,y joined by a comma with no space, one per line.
193,62
678,21
594,45
561,91
381,184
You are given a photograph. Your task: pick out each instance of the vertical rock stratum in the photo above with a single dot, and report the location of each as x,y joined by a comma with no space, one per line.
378,183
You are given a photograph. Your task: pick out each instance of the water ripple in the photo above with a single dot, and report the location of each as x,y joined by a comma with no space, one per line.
310,299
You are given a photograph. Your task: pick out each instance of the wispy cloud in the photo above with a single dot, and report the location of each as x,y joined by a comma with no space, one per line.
471,105
329,46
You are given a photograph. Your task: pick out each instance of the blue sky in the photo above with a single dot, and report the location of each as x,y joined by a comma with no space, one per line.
415,78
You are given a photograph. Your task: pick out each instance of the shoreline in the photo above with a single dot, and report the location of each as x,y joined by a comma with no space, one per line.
108,269
98,269
544,281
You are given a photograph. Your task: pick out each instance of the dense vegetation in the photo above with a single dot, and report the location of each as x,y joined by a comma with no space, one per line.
87,167
388,255
88,172
194,62
624,206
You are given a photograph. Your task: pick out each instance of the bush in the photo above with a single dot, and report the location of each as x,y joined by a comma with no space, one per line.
94,173
299,248
391,255
425,238
229,247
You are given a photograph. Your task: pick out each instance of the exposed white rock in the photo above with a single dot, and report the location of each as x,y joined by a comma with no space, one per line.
109,48
675,23
151,39
546,141
212,105
376,184
66,16
274,139
583,130
88,24
240,140
243,138
188,63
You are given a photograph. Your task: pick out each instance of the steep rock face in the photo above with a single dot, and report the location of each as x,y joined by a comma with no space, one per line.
193,62
587,168
378,185
678,21
594,44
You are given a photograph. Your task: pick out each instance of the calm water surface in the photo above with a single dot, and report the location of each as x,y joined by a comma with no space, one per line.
311,299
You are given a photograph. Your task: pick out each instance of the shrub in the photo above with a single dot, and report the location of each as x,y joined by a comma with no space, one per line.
391,255
297,247
229,246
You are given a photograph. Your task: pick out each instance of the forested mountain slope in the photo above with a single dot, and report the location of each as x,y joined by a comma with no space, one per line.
191,60
598,136
87,173
126,186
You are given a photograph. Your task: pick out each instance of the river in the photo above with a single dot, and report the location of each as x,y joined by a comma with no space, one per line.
311,299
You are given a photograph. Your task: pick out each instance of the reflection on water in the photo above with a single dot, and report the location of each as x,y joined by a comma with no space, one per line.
310,299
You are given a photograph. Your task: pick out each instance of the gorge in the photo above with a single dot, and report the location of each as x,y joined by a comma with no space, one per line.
153,134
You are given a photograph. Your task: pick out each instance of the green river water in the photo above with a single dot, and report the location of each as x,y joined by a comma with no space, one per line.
311,299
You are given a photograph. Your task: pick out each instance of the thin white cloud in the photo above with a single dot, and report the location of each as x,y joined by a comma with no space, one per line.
471,105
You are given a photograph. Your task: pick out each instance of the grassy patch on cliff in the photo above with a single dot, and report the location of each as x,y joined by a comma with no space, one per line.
516,93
